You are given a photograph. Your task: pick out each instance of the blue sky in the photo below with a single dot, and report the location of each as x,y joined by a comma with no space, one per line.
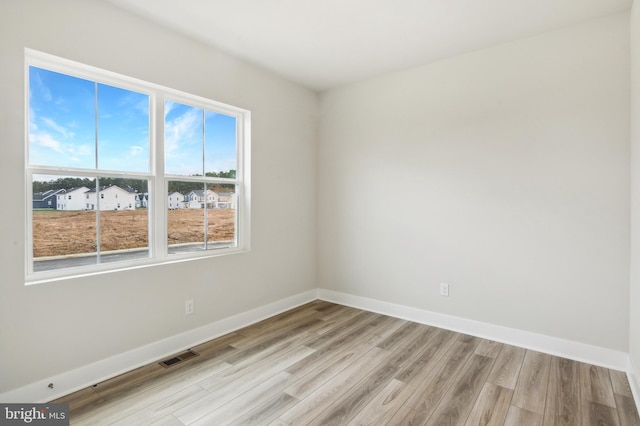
62,129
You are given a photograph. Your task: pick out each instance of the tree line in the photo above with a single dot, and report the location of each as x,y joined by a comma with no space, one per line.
136,185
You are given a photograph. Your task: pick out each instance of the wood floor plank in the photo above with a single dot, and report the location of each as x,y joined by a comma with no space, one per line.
235,386
520,417
426,395
507,367
331,321
400,335
491,407
237,407
562,405
323,364
416,373
368,334
595,385
299,334
627,411
620,383
78,399
140,396
489,348
382,407
268,411
328,338
323,372
150,412
263,336
339,312
456,404
212,348
130,380
323,305
599,414
531,389
433,351
277,324
257,362
405,416
404,343
169,420
421,366
320,400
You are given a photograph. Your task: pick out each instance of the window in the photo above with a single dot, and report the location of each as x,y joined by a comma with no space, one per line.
137,145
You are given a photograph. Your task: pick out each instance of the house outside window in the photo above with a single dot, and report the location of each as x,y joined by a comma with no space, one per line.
112,149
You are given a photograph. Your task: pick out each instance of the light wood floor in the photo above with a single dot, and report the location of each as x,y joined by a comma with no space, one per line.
327,364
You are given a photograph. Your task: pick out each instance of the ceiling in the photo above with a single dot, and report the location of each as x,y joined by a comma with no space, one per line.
325,43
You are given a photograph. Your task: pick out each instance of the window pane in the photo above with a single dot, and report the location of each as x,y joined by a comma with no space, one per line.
183,144
185,219
220,145
123,129
64,229
221,217
61,120
124,227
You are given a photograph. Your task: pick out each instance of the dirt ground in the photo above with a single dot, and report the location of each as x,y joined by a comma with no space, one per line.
57,233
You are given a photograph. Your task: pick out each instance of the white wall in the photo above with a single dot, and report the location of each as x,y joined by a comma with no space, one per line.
634,323
503,172
48,329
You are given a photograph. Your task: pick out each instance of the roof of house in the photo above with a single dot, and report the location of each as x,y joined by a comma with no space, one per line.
200,192
77,189
103,188
41,196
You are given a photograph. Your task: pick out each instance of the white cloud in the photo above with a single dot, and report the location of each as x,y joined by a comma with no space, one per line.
57,127
73,151
32,120
83,150
181,130
46,141
135,150
168,106
45,93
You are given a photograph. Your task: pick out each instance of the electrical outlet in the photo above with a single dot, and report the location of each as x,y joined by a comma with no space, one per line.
444,289
189,307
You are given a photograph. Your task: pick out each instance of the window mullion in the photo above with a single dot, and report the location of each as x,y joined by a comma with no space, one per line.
205,186
95,110
159,185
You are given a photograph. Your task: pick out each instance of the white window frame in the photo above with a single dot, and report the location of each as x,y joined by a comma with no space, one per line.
158,182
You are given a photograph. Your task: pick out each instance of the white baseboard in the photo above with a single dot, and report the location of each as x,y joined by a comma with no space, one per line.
96,372
634,381
590,354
